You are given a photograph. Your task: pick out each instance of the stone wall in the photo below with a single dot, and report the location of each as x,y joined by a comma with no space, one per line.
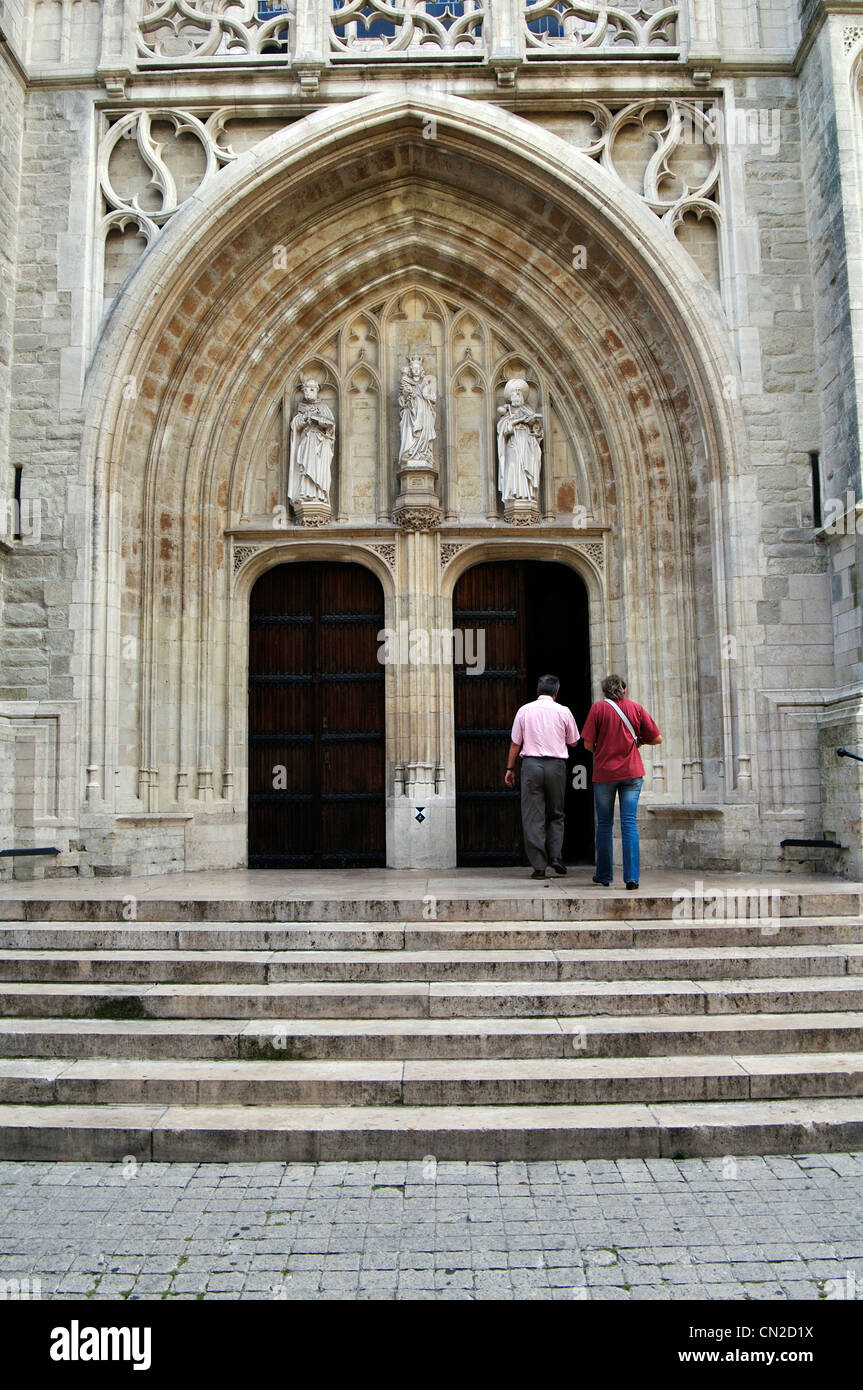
12,97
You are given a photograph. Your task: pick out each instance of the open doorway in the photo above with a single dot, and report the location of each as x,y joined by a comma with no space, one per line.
534,616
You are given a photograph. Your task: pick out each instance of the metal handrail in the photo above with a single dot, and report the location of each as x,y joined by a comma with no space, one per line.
13,853
846,753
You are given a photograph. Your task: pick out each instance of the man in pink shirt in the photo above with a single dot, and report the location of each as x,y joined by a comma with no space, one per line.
541,733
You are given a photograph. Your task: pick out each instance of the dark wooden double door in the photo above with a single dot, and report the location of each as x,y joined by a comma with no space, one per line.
316,718
535,618
316,710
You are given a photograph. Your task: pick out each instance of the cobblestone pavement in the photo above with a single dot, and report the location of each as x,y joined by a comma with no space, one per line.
749,1228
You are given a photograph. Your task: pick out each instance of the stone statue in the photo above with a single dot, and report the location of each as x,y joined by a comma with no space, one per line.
313,440
519,439
417,404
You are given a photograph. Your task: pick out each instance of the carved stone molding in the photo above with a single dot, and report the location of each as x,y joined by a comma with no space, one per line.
386,552
417,518
242,553
449,550
312,515
520,511
595,551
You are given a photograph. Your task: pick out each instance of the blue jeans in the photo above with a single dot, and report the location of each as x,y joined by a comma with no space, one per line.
603,798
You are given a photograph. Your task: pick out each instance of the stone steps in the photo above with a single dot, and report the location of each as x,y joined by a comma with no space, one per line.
555,901
342,1039
302,1134
416,999
452,936
384,966
572,1027
546,1081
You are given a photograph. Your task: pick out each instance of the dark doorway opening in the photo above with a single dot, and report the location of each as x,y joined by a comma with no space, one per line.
316,719
535,617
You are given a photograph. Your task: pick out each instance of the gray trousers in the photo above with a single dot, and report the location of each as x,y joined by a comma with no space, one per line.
543,788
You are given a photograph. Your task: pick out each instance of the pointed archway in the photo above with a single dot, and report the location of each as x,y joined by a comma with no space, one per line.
328,217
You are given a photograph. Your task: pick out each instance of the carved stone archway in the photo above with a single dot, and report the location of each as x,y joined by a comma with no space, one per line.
333,219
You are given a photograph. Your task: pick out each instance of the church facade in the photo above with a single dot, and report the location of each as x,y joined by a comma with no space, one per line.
362,360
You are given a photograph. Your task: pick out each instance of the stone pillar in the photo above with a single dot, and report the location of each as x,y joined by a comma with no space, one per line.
117,48
311,42
421,809
703,36
504,29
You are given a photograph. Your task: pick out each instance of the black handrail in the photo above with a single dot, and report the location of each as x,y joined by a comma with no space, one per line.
846,753
810,844
12,853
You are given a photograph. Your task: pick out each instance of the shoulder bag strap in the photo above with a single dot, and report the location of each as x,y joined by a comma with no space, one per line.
619,711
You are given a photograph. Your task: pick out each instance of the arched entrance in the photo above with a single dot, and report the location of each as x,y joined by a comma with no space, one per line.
533,617
645,457
316,718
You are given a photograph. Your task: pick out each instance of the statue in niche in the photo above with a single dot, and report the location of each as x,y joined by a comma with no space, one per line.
313,441
519,451
417,405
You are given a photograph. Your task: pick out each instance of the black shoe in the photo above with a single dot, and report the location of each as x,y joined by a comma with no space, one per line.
538,873
632,885
559,866
603,881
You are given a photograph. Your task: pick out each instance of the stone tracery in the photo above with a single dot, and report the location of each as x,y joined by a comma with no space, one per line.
568,26
209,28
394,27
665,150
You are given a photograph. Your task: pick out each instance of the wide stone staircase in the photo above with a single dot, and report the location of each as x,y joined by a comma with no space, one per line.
551,1027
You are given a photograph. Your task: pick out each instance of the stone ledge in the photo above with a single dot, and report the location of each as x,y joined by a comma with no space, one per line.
154,818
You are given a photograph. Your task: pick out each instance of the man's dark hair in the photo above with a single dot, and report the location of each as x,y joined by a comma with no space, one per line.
548,685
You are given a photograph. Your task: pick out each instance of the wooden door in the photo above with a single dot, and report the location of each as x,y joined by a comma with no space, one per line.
488,818
316,718
535,618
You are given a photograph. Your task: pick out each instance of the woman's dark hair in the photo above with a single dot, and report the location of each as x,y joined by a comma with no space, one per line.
614,687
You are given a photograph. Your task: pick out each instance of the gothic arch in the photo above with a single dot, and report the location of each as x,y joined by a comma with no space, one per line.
245,284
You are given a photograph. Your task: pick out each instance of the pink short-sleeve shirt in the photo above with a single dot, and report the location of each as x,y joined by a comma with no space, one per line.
544,728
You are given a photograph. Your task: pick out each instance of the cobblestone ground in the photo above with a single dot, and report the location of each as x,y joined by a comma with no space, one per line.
753,1228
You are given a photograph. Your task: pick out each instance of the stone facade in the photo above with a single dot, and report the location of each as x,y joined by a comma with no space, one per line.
650,215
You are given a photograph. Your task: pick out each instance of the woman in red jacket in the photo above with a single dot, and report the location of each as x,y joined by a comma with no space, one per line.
614,729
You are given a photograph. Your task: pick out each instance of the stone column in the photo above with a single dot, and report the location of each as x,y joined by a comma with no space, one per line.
311,52
117,48
504,29
421,809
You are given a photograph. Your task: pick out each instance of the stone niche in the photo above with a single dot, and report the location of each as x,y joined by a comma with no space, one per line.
359,366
